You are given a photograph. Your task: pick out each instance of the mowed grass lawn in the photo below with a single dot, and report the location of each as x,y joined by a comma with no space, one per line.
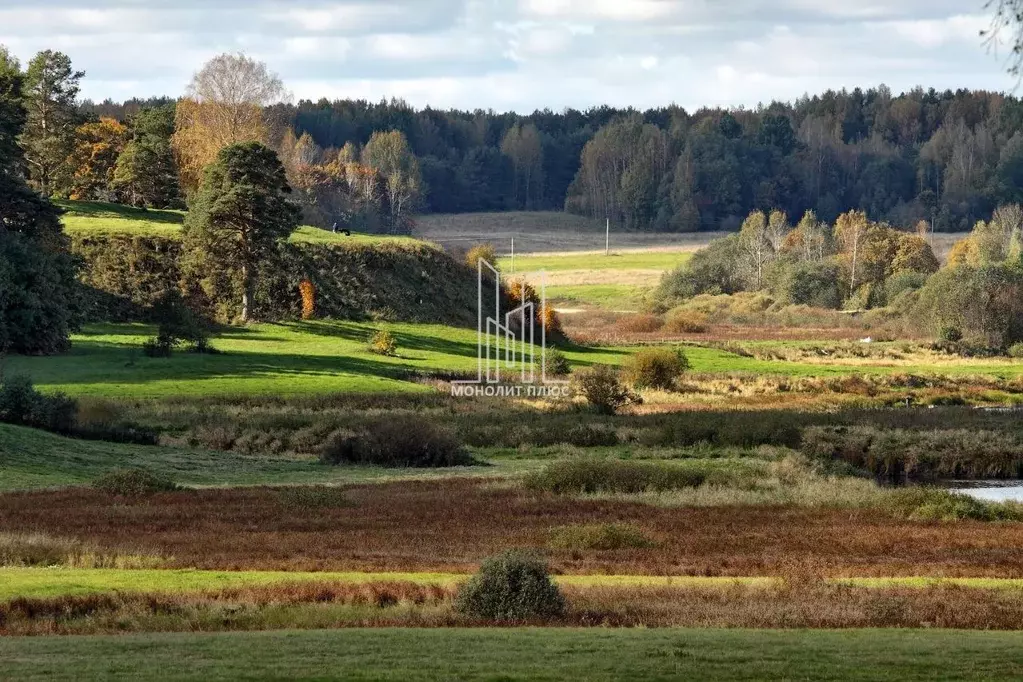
521,654
316,357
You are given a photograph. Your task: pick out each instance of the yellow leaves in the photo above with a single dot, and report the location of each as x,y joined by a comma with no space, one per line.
202,129
964,252
94,159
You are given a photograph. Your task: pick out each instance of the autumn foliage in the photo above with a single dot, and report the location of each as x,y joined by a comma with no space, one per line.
308,291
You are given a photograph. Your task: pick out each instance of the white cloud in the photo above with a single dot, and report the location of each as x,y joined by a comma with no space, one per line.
520,54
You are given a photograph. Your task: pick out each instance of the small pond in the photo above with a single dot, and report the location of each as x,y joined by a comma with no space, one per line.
991,491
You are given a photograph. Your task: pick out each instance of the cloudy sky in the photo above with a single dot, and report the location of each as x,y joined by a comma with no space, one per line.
521,54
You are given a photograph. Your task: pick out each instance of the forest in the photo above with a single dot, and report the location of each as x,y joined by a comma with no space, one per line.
945,157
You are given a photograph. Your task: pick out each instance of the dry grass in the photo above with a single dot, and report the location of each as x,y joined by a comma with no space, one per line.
801,601
452,525
38,549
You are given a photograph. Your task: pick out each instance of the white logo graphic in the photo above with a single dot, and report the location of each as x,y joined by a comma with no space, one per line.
508,342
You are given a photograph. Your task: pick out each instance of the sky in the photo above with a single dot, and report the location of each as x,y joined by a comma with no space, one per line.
522,55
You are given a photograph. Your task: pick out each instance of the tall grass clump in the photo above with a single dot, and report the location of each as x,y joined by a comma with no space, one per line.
659,368
36,550
396,442
511,587
588,476
134,483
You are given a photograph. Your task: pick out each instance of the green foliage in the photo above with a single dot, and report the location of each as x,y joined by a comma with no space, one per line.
396,442
950,334
511,587
383,343
603,390
238,220
146,174
985,303
51,94
589,476
933,504
1015,350
710,271
552,363
134,483
600,537
659,368
22,404
817,284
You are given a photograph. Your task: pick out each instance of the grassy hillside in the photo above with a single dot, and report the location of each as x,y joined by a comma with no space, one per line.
97,218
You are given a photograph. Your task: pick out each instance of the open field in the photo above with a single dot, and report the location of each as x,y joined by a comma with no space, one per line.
451,525
522,654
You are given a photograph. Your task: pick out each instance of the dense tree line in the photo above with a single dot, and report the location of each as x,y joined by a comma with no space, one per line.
946,157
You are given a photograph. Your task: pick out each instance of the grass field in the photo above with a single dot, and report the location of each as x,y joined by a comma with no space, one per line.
596,261
324,356
522,654
85,218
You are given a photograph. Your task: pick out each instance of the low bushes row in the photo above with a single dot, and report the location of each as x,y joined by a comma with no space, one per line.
898,454
588,476
396,443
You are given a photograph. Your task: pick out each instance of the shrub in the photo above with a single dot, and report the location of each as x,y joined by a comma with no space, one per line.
551,321
809,283
657,368
950,334
686,322
307,290
1016,350
133,483
601,537
588,476
383,343
160,346
485,252
176,322
603,390
22,404
642,323
554,362
396,442
511,587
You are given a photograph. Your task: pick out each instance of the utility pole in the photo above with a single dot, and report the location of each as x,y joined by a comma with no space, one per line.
513,256
607,240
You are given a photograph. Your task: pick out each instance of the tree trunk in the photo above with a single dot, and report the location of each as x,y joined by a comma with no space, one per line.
246,292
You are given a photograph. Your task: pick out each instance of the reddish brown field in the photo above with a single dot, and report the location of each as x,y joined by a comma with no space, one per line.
451,525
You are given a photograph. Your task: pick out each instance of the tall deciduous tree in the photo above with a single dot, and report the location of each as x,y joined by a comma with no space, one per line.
51,98
94,159
755,248
851,232
240,216
390,155
522,144
226,103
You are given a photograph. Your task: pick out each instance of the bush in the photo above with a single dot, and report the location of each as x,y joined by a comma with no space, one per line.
176,323
383,343
133,483
686,322
1016,350
554,362
950,334
588,476
601,537
807,283
22,404
160,346
657,368
479,252
396,442
603,390
511,587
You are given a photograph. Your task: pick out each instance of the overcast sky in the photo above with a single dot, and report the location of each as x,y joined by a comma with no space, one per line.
521,54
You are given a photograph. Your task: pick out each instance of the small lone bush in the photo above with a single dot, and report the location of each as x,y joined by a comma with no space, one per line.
1016,350
383,343
657,368
479,252
159,346
603,390
512,587
686,322
134,483
399,442
600,537
554,362
22,404
176,323
950,334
